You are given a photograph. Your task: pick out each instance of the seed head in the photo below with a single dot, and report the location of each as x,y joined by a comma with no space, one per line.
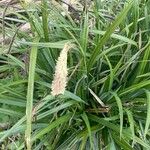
60,77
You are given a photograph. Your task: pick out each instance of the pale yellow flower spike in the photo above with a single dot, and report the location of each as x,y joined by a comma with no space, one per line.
60,77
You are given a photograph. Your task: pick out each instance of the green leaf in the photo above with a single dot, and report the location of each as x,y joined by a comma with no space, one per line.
85,118
134,87
72,96
10,112
17,61
119,103
12,101
131,122
56,109
29,105
17,125
148,113
111,76
53,125
84,33
143,64
59,44
120,141
107,35
116,129
116,36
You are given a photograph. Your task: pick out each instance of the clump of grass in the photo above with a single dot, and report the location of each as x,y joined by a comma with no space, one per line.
106,102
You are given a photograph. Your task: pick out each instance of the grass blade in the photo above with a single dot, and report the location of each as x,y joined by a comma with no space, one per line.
119,103
115,128
131,122
116,36
121,142
86,120
52,126
29,105
107,35
148,113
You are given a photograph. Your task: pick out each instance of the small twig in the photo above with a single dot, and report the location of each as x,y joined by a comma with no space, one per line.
12,40
69,5
3,20
100,110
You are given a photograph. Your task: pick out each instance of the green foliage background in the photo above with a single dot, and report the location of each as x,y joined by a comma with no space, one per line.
109,64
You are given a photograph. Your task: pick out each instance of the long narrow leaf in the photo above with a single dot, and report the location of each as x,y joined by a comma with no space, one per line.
107,35
148,113
29,105
85,118
119,103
